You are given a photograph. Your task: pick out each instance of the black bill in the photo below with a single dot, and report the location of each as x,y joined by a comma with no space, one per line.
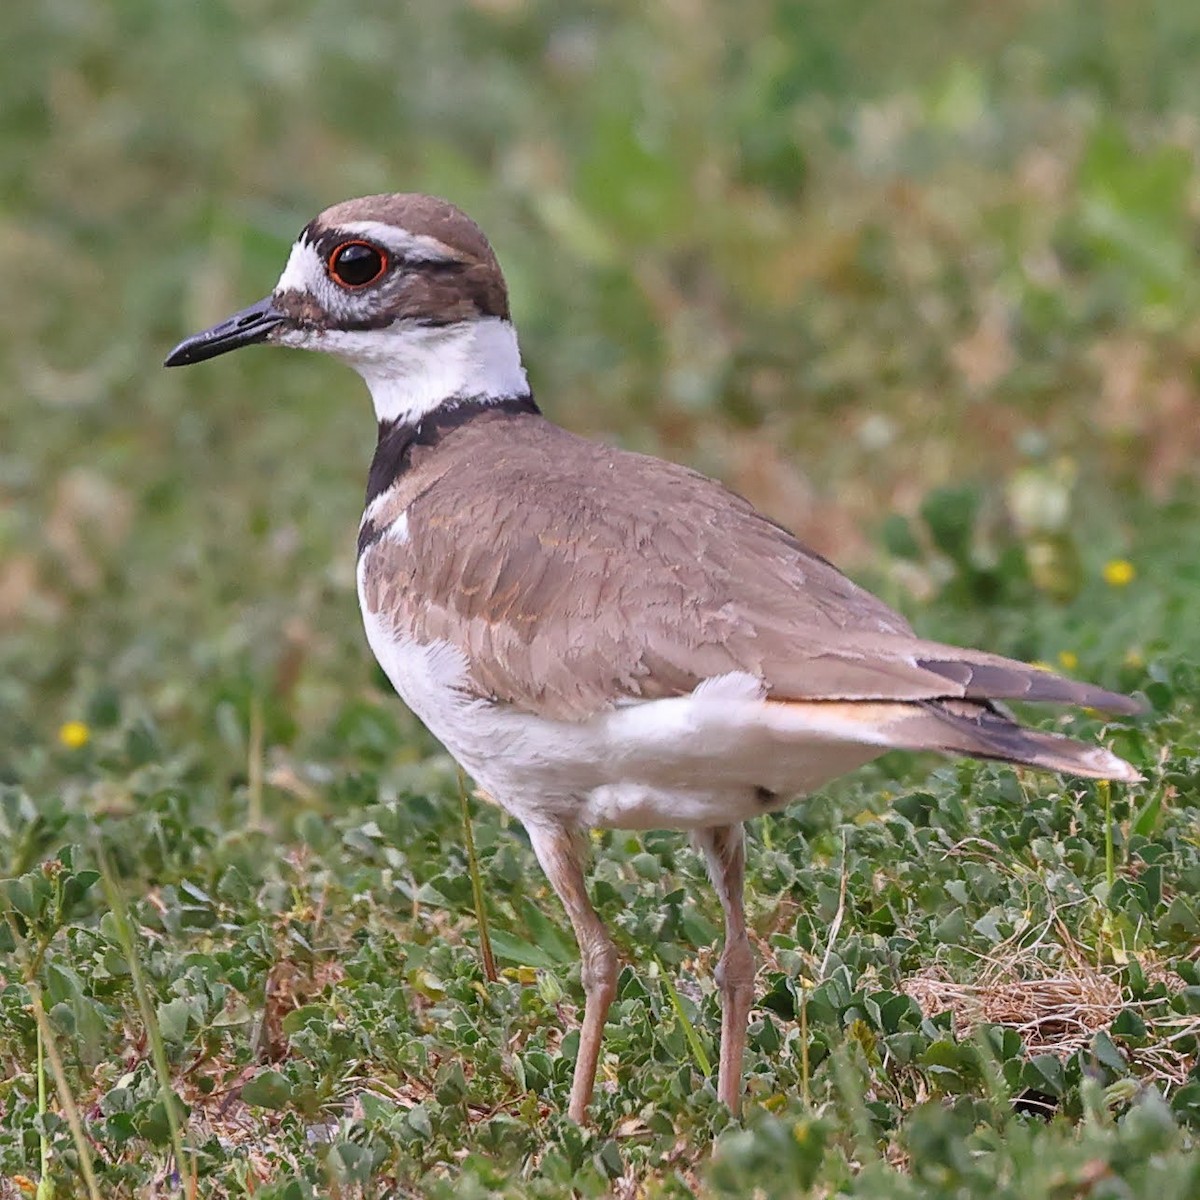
244,328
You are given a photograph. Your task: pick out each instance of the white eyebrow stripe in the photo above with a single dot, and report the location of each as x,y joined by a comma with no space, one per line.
416,247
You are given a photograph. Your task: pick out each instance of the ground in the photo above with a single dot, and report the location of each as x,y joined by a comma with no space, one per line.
926,292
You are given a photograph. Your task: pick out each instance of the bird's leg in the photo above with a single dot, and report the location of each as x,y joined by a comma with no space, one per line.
725,853
559,851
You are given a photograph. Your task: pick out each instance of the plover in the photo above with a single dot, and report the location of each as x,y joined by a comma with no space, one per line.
601,638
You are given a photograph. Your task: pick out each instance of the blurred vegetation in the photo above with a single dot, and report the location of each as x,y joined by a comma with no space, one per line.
919,282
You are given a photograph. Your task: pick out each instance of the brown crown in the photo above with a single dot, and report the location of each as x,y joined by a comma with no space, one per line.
466,284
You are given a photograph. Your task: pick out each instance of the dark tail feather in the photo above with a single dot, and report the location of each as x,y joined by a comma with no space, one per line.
980,731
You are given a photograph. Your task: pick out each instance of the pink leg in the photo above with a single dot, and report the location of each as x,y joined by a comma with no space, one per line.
725,853
558,850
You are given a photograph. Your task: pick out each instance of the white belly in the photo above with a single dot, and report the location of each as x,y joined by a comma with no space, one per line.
717,755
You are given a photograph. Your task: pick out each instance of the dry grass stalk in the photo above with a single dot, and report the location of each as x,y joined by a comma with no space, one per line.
1057,1011
1054,1014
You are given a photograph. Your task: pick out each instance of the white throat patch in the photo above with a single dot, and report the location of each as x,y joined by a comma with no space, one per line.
413,369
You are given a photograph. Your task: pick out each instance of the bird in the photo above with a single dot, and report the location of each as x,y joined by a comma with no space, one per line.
600,638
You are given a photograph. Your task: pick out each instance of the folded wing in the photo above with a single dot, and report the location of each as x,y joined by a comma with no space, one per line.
576,578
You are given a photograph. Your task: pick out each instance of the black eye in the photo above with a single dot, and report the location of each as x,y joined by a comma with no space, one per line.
355,264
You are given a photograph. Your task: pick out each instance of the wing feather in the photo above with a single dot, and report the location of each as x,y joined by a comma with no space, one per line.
574,577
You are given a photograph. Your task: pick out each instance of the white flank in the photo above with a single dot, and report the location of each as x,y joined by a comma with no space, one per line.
686,763
737,685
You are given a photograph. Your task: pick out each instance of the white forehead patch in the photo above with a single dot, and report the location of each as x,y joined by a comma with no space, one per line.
305,272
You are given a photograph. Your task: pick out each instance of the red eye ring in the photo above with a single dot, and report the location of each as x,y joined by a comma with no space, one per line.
356,264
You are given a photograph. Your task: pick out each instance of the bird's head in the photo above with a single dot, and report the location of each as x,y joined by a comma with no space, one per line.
404,288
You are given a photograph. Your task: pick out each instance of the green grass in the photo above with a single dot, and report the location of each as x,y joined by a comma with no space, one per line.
925,290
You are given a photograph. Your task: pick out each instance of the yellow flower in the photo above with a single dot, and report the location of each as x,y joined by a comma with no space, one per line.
1068,660
74,735
1118,572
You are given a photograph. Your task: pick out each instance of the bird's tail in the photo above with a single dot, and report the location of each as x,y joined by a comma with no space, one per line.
981,730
